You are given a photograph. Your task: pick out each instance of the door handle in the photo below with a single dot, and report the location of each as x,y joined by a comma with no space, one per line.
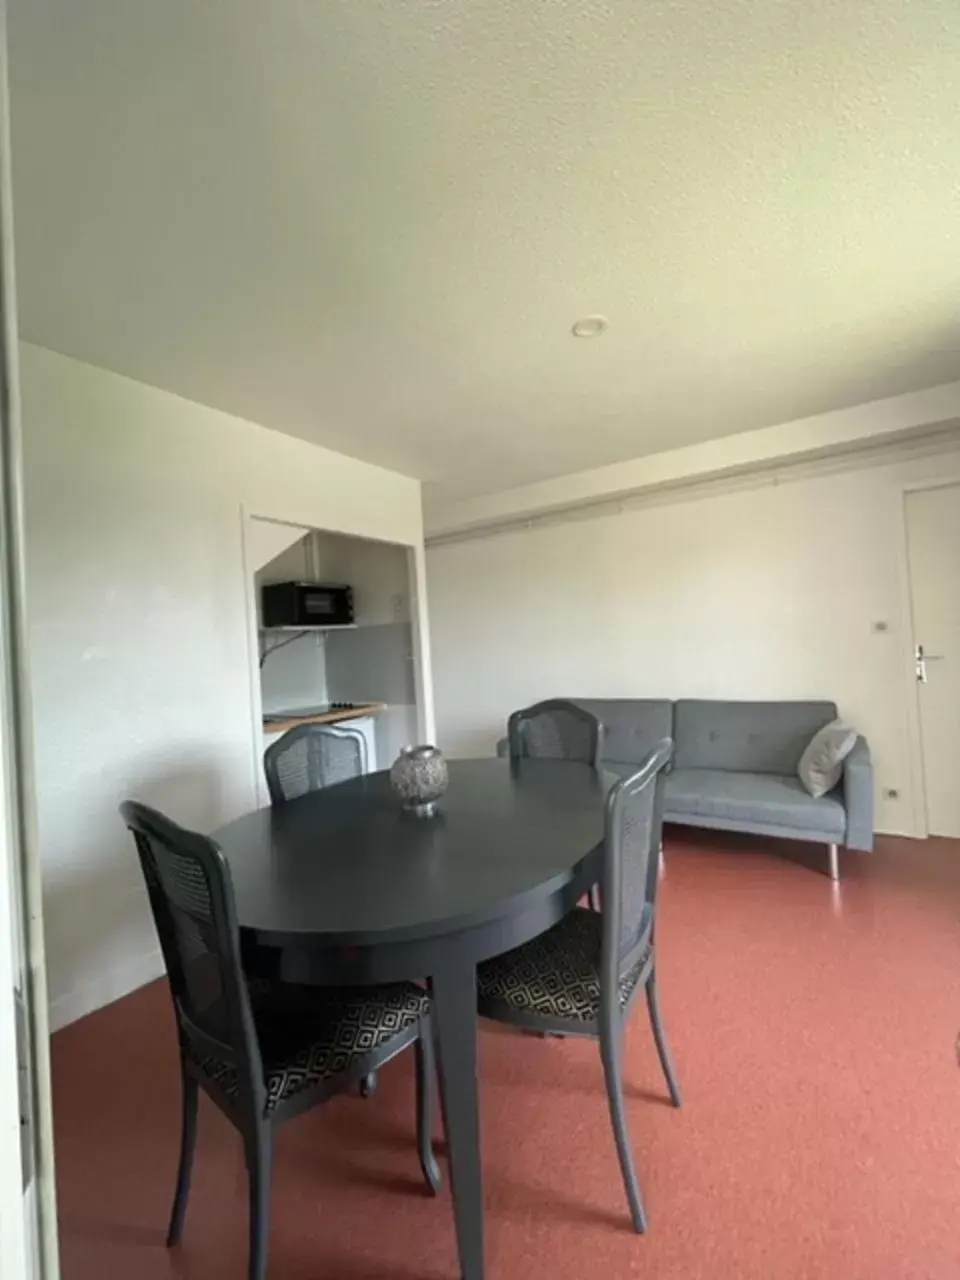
922,658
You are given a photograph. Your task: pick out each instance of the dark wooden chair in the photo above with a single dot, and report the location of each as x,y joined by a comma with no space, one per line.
555,730
583,975
306,758
312,756
262,1051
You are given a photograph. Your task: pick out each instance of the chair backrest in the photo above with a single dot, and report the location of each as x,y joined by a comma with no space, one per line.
631,866
632,727
555,730
191,896
312,756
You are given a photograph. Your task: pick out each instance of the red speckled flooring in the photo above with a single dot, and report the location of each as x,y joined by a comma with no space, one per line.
814,1030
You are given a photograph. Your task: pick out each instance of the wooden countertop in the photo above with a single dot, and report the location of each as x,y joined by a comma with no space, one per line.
326,717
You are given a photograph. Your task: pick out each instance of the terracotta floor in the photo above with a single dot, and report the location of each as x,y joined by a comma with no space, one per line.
815,1034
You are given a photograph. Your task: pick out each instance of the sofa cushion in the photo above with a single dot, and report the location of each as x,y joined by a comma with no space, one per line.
556,974
821,765
746,737
753,799
632,727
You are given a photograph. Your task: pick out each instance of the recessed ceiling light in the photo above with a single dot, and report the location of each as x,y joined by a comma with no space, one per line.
590,326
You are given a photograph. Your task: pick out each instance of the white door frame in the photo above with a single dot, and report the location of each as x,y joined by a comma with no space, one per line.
921,823
423,658
28,1226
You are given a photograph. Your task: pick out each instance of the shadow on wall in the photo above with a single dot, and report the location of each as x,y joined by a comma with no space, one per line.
100,939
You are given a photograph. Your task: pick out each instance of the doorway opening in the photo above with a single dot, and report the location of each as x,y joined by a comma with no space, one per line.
365,672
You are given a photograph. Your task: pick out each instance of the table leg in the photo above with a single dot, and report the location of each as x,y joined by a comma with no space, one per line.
455,1029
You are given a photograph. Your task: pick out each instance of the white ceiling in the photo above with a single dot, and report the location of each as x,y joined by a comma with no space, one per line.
372,223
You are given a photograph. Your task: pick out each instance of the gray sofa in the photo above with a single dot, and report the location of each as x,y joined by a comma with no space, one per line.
735,767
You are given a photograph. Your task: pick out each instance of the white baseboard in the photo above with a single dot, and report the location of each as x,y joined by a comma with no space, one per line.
104,989
900,832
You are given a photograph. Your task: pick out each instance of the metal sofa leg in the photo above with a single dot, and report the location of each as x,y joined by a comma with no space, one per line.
834,862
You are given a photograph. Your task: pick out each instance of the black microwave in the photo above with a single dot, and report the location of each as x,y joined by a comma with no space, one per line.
306,604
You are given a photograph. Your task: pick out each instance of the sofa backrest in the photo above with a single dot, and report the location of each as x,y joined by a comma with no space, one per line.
632,727
747,737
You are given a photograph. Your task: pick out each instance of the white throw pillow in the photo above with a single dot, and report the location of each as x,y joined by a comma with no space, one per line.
821,765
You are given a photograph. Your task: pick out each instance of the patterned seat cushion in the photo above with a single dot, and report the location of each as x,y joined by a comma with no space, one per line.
556,975
309,1035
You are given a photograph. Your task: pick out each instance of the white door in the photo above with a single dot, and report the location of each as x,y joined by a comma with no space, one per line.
28,1238
933,541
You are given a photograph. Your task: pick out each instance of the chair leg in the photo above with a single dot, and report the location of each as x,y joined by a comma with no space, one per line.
259,1167
369,1084
426,1107
659,1035
610,1047
188,1144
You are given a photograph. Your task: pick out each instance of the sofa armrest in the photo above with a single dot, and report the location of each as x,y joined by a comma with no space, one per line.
503,748
858,796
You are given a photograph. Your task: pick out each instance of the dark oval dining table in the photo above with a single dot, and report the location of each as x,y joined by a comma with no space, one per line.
342,886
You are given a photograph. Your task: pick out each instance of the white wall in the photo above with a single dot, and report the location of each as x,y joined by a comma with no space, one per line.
760,592
140,632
